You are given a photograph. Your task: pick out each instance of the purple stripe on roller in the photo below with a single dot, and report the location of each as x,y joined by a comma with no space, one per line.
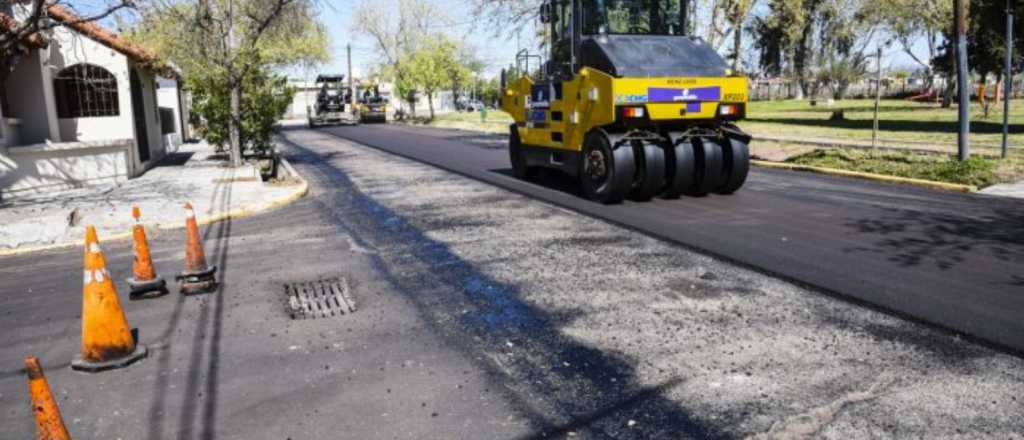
660,94
693,107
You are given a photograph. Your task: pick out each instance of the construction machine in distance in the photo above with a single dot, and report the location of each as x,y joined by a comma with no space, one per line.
628,103
372,106
332,101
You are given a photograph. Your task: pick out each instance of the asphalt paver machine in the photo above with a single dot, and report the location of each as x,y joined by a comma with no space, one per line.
333,102
628,103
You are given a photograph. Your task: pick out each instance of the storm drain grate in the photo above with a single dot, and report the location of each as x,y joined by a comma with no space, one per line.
319,299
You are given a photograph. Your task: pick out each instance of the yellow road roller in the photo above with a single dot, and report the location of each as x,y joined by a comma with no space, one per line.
628,103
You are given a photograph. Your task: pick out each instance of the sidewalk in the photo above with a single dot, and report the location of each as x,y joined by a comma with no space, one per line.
194,174
1014,190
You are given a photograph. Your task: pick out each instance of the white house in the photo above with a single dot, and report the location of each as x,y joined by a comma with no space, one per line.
80,108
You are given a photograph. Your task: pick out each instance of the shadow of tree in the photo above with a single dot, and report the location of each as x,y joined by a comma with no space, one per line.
558,383
910,238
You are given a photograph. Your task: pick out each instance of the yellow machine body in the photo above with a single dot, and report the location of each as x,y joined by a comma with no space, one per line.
594,99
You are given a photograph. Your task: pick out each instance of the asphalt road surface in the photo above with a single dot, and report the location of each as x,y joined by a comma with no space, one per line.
951,260
482,314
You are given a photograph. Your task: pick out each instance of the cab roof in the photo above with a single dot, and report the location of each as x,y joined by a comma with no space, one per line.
330,78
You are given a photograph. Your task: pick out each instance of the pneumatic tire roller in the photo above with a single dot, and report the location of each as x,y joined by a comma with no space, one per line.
628,104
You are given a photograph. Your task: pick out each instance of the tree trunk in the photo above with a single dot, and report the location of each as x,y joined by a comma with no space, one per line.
234,124
947,99
430,103
737,45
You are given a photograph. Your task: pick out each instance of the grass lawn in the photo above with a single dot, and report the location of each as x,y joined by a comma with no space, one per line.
497,121
899,121
978,171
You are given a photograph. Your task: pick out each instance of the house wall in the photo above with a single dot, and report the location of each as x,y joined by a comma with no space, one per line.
52,154
157,150
24,88
167,97
67,49
41,168
302,99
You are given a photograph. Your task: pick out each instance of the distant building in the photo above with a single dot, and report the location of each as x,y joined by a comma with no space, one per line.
81,107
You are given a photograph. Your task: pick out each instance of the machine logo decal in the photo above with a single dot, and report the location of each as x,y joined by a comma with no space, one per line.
630,99
695,94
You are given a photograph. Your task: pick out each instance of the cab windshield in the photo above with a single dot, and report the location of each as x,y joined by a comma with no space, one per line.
632,17
369,96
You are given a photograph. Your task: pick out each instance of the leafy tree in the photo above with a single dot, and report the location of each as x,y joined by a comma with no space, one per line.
736,12
434,66
396,37
224,40
265,100
986,43
910,21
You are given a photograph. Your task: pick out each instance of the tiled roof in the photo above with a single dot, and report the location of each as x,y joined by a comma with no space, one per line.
102,35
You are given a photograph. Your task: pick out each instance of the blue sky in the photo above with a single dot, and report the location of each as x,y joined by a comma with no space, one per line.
495,51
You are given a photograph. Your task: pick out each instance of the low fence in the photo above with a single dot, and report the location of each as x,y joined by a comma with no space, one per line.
761,90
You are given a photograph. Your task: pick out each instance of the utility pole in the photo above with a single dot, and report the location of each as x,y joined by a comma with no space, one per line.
1008,75
878,99
962,71
351,90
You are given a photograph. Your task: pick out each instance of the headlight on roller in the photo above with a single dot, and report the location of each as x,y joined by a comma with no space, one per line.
729,110
633,112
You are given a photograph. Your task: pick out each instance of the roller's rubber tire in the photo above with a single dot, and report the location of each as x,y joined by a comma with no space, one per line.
619,170
650,171
517,157
736,166
680,169
708,169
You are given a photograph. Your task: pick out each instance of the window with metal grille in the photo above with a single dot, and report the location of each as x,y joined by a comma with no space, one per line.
85,90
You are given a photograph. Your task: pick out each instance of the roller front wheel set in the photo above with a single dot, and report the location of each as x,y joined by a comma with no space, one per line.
642,170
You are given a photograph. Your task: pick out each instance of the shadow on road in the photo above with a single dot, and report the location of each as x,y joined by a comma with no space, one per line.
202,383
556,382
912,238
551,179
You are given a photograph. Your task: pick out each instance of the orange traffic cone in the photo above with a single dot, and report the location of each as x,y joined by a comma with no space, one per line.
198,277
107,341
144,280
49,424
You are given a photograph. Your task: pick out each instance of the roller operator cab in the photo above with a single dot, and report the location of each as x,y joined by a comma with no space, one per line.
628,103
372,106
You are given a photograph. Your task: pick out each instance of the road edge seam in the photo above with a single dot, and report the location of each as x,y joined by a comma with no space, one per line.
234,214
929,184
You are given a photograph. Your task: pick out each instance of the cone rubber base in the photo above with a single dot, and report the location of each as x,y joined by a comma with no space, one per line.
146,289
79,364
196,283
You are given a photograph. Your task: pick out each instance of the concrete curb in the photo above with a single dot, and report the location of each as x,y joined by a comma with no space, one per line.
929,184
245,211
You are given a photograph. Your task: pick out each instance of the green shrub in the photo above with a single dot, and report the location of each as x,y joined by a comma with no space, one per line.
265,98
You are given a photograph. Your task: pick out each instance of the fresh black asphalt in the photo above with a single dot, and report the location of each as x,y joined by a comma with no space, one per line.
948,259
